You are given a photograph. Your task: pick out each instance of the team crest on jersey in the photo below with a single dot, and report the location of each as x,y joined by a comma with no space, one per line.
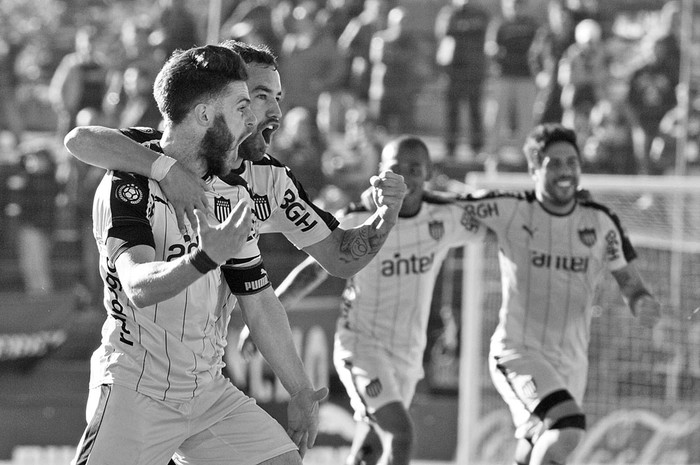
222,208
129,193
374,388
588,236
436,229
262,207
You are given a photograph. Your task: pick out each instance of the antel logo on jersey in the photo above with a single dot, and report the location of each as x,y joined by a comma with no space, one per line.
410,265
558,262
296,211
129,193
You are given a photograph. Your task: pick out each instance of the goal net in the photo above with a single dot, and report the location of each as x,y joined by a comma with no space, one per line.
643,397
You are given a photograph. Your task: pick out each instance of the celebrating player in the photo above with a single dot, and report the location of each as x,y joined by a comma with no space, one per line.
553,251
281,205
381,333
156,387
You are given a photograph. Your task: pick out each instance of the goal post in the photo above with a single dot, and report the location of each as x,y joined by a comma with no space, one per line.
643,396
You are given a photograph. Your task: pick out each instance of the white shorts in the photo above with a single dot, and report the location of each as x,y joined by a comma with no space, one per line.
373,379
220,426
523,380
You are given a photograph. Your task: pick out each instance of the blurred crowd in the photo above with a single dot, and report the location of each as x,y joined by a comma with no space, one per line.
356,72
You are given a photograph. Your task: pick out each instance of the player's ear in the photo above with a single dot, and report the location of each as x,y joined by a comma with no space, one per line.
203,114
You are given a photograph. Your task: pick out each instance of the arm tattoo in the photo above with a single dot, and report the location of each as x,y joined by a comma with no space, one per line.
359,242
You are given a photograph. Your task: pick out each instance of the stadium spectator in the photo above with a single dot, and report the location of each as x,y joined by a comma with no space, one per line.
80,81
32,198
513,89
300,145
382,331
460,29
135,52
397,75
309,59
152,371
652,94
175,27
10,117
554,249
548,46
353,158
609,149
354,45
583,76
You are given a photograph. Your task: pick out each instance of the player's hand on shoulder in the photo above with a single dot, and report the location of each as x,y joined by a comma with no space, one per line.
389,189
222,241
186,192
648,310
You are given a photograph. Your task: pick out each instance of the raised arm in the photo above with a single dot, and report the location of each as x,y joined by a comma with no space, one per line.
640,301
264,315
110,149
147,282
346,251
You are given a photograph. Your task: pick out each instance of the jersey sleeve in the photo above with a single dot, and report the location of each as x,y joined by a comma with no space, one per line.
141,134
489,209
295,215
128,206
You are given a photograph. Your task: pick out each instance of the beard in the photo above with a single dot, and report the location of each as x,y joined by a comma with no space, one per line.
215,146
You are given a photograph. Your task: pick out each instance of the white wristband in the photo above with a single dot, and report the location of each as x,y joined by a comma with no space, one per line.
161,166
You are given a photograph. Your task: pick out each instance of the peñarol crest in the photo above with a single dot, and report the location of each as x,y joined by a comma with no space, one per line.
587,236
262,207
222,208
436,229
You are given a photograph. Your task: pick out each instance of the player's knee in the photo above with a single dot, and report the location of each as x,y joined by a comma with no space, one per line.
558,444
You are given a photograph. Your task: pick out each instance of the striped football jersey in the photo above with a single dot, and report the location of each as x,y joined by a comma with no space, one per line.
280,203
550,267
388,301
169,350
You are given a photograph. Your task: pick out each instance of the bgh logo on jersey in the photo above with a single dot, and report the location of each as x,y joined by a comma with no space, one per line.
587,236
262,207
436,229
222,208
374,388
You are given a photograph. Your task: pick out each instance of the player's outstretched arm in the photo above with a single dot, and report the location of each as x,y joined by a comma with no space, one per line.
269,327
641,302
346,251
147,282
110,149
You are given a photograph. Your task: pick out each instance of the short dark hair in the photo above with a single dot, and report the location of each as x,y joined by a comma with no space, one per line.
542,136
192,75
250,53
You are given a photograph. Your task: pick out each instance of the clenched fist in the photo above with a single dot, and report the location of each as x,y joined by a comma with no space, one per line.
388,191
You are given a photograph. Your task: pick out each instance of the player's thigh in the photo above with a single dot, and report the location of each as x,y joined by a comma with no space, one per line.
370,380
244,434
531,386
125,426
